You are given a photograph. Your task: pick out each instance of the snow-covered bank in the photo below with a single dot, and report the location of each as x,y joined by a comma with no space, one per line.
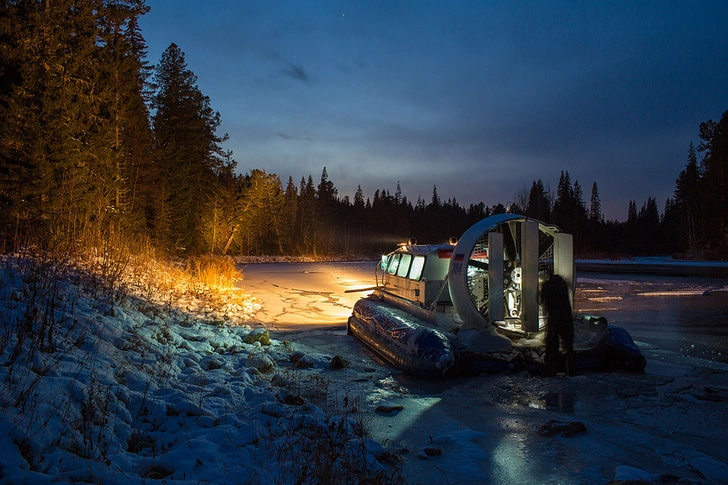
157,382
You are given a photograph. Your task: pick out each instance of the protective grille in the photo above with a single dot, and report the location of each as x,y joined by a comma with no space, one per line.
477,266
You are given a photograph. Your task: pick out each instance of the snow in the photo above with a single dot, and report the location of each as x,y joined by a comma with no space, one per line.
163,384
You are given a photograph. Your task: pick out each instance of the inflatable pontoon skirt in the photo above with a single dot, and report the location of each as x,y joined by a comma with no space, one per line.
402,339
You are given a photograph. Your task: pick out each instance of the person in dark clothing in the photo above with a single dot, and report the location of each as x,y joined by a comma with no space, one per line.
560,326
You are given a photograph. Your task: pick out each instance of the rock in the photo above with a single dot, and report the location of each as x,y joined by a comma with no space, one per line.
714,394
212,365
293,400
567,429
428,452
389,458
338,363
279,381
648,391
389,408
304,364
261,362
272,409
258,335
295,357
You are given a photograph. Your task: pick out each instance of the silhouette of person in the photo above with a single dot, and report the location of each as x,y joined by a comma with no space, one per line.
560,326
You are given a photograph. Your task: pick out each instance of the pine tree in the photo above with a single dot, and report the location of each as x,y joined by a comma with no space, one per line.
326,220
189,152
714,146
307,216
631,229
538,206
649,227
288,218
595,207
688,200
564,211
261,213
436,202
359,219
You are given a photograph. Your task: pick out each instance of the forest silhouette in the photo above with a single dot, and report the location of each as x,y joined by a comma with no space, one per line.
96,144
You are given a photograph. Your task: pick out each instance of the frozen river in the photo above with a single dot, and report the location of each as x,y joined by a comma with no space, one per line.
671,421
684,315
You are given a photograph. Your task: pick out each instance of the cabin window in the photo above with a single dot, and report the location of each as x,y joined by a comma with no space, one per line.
404,265
393,263
418,264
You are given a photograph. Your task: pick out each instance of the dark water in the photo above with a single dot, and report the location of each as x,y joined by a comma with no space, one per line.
684,315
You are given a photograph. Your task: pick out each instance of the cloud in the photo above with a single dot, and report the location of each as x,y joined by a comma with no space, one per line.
294,71
286,136
297,73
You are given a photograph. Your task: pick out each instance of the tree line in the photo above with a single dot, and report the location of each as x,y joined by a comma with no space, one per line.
95,141
693,223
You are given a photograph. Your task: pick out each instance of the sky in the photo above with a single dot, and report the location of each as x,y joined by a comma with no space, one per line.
478,99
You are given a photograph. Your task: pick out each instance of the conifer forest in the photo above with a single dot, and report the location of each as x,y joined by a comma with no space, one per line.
98,143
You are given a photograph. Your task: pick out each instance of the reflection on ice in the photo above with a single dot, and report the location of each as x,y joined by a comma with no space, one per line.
604,299
560,401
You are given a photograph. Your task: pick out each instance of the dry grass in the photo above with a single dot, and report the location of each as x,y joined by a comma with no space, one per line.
213,271
158,278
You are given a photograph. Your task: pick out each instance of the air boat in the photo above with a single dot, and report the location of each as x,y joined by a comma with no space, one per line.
472,305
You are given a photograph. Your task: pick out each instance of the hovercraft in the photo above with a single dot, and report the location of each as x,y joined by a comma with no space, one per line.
473,305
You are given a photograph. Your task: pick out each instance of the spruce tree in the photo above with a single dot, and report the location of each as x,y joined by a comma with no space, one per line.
714,146
189,153
289,217
538,206
595,206
688,201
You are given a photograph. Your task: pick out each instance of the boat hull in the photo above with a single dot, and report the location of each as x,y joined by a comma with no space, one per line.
411,344
402,339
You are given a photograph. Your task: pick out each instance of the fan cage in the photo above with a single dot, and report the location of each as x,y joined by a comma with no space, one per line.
477,272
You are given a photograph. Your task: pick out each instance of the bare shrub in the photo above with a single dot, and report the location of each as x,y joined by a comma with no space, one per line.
333,451
108,261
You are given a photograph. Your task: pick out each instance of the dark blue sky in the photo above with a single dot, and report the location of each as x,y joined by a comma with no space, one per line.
477,98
